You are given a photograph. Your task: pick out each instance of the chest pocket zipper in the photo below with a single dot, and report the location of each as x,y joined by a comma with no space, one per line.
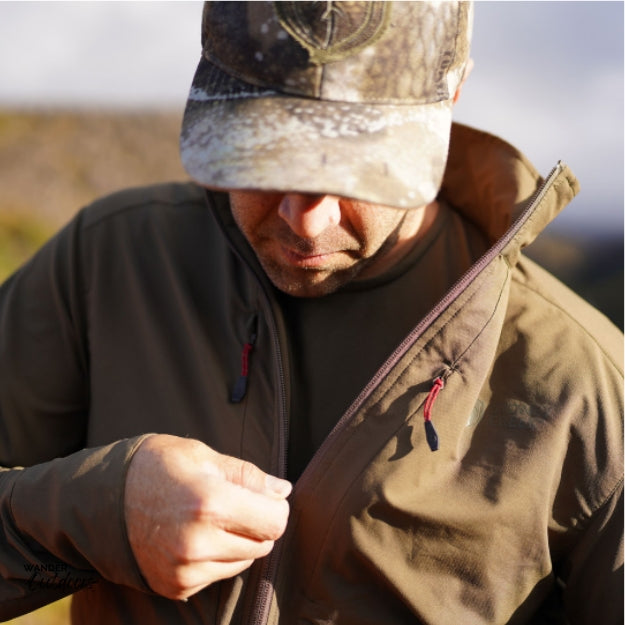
437,386
240,386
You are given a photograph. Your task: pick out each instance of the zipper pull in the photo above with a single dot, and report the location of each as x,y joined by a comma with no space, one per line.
430,432
240,386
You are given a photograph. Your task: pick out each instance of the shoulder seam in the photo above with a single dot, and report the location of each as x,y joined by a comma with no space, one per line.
131,205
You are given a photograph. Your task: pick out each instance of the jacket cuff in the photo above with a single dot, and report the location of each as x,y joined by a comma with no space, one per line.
73,508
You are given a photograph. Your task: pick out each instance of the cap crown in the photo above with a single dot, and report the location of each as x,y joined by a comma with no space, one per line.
367,52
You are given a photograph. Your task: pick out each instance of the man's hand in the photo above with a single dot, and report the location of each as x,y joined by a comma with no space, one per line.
195,516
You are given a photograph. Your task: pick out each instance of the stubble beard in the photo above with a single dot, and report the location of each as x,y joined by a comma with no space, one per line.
303,282
311,282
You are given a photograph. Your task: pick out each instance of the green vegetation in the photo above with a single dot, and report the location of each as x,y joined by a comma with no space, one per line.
54,614
20,236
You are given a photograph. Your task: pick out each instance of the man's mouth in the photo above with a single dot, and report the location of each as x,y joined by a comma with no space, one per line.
308,260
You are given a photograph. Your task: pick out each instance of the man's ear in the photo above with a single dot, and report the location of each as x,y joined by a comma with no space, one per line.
467,71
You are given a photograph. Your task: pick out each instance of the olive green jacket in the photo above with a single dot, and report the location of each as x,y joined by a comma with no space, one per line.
133,320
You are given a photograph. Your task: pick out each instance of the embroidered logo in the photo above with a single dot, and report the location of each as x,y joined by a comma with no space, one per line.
331,31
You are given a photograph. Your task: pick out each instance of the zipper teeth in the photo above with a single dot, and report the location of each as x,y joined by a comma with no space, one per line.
452,294
262,602
283,425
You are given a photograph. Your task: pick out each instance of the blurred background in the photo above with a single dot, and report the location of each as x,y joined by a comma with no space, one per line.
92,95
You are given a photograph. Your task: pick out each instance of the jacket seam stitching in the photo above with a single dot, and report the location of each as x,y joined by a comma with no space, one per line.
144,203
452,365
486,323
456,361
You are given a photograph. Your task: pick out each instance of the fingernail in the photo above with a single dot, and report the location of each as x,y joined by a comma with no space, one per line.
278,486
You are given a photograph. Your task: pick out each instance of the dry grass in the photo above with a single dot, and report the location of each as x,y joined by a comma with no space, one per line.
53,163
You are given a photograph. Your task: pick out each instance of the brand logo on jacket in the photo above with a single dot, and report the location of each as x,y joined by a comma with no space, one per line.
57,575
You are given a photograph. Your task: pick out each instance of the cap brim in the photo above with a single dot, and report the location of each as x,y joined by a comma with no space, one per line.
238,136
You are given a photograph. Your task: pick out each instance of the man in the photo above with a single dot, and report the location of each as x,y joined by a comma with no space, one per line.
341,301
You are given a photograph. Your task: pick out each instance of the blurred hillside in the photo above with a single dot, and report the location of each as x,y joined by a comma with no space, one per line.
53,163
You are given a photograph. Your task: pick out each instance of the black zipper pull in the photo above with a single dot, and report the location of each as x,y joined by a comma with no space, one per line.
430,432
240,386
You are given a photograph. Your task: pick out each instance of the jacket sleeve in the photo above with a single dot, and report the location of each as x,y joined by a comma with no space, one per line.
593,573
62,527
591,501
61,517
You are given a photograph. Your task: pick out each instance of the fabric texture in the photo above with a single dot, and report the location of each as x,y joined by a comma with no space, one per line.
132,320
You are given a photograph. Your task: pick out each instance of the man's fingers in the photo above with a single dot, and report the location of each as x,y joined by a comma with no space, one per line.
212,571
236,510
199,557
219,546
188,580
211,556
194,516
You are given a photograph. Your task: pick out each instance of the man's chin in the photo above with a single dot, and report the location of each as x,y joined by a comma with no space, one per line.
309,283
308,288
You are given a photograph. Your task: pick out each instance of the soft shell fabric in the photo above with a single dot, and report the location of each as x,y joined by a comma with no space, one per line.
353,347
132,320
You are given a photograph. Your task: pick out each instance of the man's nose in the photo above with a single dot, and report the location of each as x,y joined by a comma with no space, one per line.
309,215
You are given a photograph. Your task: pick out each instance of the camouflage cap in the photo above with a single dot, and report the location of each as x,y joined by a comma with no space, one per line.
341,98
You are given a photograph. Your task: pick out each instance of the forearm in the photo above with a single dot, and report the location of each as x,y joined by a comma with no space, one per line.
62,527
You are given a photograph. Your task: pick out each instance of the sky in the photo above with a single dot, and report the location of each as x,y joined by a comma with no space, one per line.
548,77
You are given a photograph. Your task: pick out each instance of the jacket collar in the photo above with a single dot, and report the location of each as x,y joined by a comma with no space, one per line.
491,183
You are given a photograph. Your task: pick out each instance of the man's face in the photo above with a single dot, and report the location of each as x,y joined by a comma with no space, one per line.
311,245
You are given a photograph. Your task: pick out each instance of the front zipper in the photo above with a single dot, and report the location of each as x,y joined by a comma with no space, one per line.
262,603
267,583
269,565
262,597
467,278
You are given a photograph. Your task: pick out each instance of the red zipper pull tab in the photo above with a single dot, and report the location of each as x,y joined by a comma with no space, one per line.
430,432
240,386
